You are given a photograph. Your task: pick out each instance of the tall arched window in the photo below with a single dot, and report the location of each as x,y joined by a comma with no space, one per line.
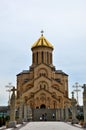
54,104
50,58
33,58
37,57
47,58
42,57
40,86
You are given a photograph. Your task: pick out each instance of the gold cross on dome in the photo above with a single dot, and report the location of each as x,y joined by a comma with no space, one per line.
42,32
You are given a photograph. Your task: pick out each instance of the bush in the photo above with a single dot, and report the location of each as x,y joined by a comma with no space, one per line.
7,118
80,116
1,121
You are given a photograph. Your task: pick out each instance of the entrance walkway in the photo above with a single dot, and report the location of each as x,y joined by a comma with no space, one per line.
49,126
45,126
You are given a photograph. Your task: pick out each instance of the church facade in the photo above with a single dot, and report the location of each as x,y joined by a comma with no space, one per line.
42,86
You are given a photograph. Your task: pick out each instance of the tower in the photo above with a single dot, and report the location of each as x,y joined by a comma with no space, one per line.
42,52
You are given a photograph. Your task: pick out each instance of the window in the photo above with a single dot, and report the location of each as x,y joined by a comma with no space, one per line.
42,57
37,57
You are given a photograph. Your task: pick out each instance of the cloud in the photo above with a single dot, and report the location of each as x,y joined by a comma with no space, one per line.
64,25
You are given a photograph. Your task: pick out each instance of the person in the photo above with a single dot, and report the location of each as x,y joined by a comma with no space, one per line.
53,115
45,116
40,118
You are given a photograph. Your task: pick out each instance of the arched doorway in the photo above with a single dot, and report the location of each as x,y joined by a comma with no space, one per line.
43,106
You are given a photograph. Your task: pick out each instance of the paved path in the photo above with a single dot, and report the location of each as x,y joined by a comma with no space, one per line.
46,126
49,126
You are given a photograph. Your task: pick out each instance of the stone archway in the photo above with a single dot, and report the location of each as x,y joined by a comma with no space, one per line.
43,106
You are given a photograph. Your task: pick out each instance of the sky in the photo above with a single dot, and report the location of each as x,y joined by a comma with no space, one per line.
64,25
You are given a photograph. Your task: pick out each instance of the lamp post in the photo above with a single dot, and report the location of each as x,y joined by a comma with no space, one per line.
77,86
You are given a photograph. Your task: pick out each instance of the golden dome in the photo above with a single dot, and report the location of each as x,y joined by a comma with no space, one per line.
42,42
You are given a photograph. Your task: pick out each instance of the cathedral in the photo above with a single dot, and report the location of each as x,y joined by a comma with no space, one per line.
42,86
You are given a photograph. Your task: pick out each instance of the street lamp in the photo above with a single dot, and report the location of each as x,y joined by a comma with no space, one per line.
76,86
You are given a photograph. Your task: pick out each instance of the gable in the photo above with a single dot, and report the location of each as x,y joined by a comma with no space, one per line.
42,70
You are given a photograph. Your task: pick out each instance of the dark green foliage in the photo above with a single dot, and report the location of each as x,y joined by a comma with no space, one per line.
80,116
3,120
7,118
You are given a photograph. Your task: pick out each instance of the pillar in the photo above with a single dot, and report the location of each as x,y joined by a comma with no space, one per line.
73,103
58,114
12,122
62,114
66,113
84,105
21,111
25,112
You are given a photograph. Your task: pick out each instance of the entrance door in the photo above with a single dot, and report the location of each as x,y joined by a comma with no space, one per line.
44,114
42,106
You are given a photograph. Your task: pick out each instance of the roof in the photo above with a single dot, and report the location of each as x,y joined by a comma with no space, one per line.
42,42
24,72
61,72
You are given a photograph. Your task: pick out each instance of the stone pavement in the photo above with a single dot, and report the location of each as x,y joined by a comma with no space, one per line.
18,126
46,126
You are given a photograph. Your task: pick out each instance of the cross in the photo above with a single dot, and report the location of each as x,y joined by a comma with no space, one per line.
76,86
84,87
13,90
72,95
9,86
42,32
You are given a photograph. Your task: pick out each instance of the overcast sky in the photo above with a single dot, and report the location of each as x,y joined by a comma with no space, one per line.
64,25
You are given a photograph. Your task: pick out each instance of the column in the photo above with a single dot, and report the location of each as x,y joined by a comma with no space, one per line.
12,122
29,113
25,112
66,114
84,104
21,111
66,111
58,114
73,103
62,114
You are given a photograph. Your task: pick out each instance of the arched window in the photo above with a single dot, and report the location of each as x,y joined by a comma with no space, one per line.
50,58
40,86
37,57
47,58
54,104
42,72
33,57
43,106
42,57
44,86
